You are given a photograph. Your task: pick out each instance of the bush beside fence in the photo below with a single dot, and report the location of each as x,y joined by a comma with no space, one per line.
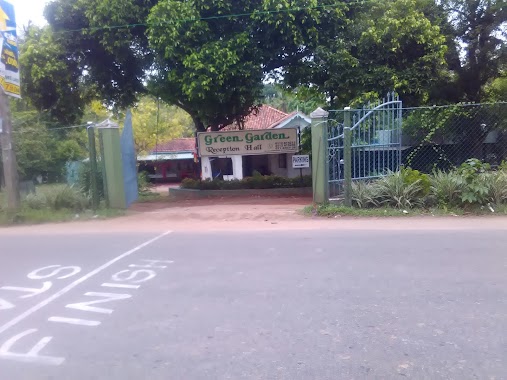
473,184
255,182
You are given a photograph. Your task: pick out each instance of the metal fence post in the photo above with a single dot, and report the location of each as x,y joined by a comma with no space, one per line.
93,167
320,171
347,157
103,169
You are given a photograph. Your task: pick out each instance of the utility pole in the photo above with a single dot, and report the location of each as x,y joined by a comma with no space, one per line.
10,166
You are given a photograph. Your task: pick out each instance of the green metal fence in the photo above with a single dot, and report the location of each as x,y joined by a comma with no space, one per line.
366,143
363,144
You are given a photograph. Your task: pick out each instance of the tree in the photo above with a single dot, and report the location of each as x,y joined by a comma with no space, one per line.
478,26
209,64
497,90
155,122
384,46
111,62
303,99
49,79
42,147
213,68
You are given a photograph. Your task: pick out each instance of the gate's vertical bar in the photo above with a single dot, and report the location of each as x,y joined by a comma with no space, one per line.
93,167
103,167
320,164
347,154
353,156
400,131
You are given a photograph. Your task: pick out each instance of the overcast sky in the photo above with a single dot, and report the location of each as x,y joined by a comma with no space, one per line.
27,10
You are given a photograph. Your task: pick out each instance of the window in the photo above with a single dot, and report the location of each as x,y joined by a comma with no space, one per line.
282,161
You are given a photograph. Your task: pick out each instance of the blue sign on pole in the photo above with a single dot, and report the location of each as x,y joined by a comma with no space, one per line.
129,158
9,56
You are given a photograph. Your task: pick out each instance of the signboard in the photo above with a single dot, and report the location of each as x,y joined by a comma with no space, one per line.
301,161
248,142
9,63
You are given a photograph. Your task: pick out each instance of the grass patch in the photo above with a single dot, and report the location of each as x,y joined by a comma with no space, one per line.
333,210
31,216
147,197
51,204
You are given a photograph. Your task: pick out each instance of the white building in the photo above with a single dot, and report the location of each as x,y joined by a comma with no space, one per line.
240,166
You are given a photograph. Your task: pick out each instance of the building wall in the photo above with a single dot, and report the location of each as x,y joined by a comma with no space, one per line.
274,166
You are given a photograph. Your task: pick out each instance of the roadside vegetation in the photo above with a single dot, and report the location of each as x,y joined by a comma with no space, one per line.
54,203
472,188
257,181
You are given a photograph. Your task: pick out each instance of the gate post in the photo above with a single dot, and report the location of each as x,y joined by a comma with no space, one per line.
347,157
113,166
93,167
320,172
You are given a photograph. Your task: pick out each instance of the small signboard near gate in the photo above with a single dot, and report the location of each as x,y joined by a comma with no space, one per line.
301,161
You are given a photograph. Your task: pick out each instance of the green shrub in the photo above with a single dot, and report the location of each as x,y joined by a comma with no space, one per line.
412,176
66,197
446,188
35,201
394,190
364,194
255,182
189,183
475,176
57,197
143,183
497,187
84,179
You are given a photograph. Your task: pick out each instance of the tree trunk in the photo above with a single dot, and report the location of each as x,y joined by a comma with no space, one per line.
199,125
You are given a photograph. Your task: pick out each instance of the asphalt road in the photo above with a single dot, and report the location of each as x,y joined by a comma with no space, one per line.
254,305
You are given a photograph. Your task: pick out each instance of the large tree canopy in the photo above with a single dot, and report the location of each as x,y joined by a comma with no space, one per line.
480,28
384,46
49,79
206,56
210,57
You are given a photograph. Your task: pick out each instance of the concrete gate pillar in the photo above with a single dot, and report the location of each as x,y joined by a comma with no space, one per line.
320,165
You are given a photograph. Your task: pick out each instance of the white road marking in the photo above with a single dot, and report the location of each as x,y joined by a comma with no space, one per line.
152,264
122,286
131,277
36,275
47,301
4,304
46,285
107,297
74,321
31,356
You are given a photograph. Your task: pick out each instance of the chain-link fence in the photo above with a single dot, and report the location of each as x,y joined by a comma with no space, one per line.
444,137
430,138
47,153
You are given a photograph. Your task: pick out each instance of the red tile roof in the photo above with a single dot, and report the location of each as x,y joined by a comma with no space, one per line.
176,145
265,117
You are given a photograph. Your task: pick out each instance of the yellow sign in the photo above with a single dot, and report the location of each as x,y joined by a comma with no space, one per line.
3,20
9,55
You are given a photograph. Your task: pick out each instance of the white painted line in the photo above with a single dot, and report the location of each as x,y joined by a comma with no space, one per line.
106,297
74,321
122,286
47,301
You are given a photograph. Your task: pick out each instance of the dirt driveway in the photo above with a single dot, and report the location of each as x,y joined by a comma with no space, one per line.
265,209
253,214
